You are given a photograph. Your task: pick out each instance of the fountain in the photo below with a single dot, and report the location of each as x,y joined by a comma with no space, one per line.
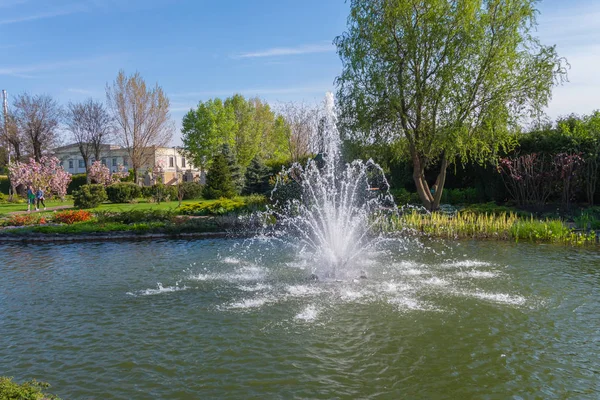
336,207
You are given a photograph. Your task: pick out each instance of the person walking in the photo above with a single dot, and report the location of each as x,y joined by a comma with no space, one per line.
30,198
40,199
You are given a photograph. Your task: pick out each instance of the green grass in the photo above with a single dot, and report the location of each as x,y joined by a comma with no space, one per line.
490,226
142,204
6,208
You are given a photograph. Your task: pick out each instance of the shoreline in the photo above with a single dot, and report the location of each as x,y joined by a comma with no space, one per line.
109,236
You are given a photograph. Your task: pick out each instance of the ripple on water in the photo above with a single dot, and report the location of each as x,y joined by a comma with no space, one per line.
160,289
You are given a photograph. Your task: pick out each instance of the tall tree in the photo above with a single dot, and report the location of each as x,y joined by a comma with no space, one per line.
446,79
248,127
205,130
218,179
37,118
91,125
302,125
142,117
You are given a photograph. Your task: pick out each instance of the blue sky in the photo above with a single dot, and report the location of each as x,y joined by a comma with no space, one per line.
279,50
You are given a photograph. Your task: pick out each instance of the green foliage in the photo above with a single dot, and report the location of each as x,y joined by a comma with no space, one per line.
403,196
77,181
218,179
444,81
221,206
159,192
136,216
89,196
461,196
31,390
123,192
257,177
4,184
235,169
192,190
248,126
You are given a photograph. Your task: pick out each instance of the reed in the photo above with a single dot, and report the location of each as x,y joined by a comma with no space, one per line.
504,226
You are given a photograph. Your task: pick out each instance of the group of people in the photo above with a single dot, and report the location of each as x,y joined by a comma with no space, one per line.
35,198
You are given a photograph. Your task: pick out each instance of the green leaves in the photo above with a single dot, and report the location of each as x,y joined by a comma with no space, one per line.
249,127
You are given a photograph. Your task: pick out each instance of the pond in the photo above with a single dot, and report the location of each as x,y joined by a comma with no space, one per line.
225,319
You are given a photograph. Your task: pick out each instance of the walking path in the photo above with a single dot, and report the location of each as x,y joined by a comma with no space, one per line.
40,210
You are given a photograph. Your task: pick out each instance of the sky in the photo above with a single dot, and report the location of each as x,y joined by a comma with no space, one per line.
279,50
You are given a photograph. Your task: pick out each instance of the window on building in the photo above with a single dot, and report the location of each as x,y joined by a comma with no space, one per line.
125,162
182,162
114,161
171,162
70,164
81,164
104,161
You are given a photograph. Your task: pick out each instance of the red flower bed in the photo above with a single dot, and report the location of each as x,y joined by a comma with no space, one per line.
23,219
70,217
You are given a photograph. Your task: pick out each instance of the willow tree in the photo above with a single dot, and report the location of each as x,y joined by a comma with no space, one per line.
142,117
442,81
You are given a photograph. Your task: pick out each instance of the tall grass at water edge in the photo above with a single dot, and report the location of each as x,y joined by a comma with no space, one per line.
506,226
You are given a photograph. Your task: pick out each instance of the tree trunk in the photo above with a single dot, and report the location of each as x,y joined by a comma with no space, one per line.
431,201
86,164
420,182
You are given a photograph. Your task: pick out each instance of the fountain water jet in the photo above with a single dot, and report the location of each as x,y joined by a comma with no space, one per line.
336,207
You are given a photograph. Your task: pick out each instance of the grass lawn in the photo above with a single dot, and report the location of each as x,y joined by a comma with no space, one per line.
12,207
142,204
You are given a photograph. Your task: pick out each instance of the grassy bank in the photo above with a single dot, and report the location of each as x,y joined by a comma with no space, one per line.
488,226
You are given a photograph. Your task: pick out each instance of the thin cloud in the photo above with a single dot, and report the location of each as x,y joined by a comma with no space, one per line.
50,14
25,70
256,91
288,51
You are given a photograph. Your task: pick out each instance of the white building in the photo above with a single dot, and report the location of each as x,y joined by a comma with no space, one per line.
171,160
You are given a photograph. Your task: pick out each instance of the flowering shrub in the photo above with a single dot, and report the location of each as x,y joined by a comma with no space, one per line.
100,174
71,216
532,178
23,220
48,175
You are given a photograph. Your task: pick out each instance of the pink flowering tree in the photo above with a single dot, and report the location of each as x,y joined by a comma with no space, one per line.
99,173
120,174
157,172
47,174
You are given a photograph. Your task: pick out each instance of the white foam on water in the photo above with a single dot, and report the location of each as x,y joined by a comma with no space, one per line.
159,290
245,273
231,260
467,264
435,281
406,303
303,290
255,302
309,314
256,288
394,287
502,298
351,295
478,274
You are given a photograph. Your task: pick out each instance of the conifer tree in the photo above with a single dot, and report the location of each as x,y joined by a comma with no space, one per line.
237,175
257,177
218,179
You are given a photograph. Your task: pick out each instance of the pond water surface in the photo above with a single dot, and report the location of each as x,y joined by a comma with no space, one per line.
219,319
